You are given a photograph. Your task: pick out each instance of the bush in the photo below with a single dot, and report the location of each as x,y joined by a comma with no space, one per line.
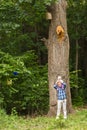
23,84
77,88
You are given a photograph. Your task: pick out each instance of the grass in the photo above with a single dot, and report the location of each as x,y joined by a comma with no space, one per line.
77,121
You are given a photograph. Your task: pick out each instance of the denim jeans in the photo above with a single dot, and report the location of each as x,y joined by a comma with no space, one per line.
60,104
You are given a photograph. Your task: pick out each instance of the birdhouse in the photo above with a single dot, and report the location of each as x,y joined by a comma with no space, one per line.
9,81
48,16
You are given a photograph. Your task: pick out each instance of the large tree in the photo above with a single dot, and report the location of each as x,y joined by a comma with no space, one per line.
58,54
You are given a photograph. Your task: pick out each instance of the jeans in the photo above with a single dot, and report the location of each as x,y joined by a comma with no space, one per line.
61,103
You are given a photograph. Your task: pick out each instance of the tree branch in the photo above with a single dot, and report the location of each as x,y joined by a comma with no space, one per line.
45,42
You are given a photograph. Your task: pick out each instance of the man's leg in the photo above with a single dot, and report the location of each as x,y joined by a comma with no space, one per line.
64,108
59,104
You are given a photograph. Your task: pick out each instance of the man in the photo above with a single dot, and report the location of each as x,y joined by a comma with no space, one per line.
60,86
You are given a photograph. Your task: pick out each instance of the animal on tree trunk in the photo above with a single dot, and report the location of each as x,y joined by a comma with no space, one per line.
60,33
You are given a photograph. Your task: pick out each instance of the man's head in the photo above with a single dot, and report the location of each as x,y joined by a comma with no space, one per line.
59,84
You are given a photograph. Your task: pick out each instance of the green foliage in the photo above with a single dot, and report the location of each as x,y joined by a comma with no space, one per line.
28,88
13,122
20,34
34,92
75,81
59,123
77,88
46,2
77,19
8,65
22,26
49,2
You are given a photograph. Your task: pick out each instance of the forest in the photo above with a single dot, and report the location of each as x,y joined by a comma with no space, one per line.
24,56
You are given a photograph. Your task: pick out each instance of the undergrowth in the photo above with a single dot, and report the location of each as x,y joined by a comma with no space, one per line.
76,121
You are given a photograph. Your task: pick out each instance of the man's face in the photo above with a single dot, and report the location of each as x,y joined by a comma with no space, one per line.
59,84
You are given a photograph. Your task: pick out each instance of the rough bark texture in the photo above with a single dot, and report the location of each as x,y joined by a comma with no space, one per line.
58,55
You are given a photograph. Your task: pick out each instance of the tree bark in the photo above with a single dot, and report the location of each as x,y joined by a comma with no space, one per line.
58,55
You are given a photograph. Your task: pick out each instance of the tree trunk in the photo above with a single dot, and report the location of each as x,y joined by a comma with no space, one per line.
76,67
58,55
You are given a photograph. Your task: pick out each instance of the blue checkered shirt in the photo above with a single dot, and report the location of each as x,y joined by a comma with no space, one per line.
61,93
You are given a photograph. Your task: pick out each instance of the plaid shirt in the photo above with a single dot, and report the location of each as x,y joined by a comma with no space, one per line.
61,94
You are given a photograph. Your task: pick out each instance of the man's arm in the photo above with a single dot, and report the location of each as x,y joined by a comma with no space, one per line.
64,85
55,86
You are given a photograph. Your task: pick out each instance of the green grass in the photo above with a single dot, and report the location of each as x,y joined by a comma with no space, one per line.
77,121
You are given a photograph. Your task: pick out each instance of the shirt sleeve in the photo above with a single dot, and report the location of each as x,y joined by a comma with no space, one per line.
55,86
64,84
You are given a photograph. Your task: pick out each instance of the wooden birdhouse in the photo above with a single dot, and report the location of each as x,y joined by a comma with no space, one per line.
9,81
48,16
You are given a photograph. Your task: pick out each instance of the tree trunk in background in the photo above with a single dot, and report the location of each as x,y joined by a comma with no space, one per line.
82,65
58,55
76,67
